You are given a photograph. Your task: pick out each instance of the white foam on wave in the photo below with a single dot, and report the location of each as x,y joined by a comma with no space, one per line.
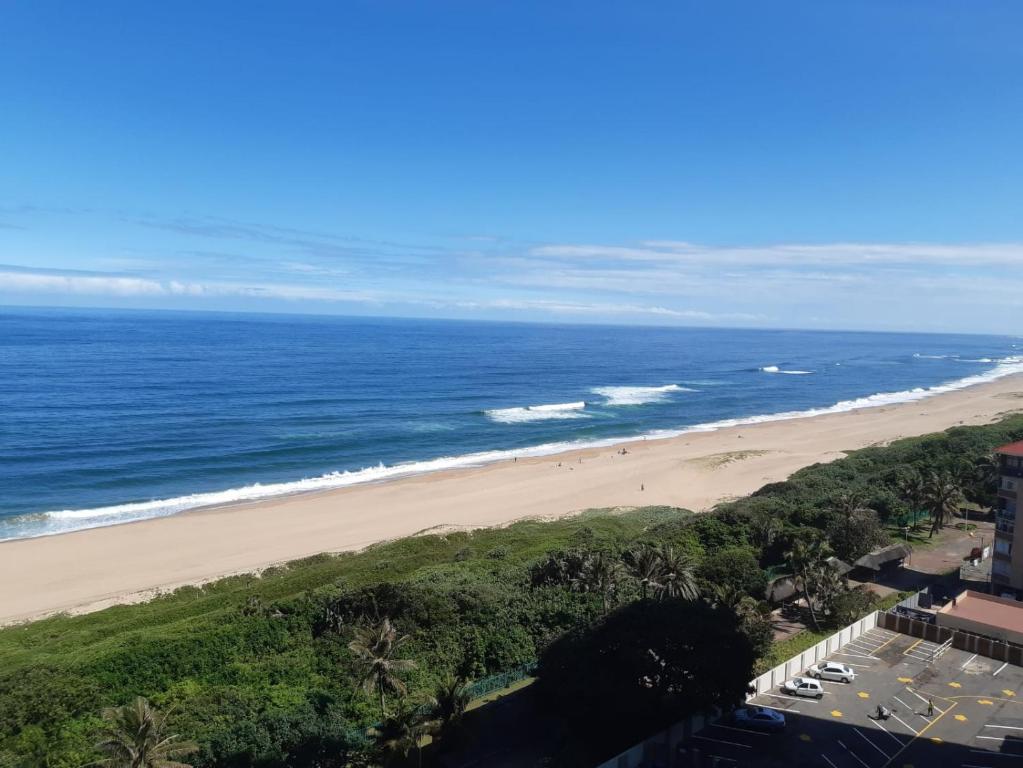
776,369
637,395
932,357
529,413
48,523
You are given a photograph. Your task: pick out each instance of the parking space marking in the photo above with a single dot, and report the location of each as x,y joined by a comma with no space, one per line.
922,731
722,741
911,728
1009,727
856,655
871,644
903,703
858,758
886,642
995,674
910,649
880,725
740,730
777,709
828,760
794,698
928,701
967,662
864,737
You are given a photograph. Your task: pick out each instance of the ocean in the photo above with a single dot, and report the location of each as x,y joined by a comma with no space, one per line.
112,416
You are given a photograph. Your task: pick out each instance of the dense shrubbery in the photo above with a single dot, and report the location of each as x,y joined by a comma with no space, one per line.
258,670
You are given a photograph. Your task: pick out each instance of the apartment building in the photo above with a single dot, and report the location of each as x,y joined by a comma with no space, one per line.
1007,563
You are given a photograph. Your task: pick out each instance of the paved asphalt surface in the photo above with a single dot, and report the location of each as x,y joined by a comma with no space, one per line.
977,720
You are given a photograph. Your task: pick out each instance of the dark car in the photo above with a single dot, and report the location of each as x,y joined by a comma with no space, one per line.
758,719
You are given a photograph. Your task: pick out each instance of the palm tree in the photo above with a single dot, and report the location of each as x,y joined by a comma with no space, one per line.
808,558
942,498
645,566
913,488
828,585
450,700
600,573
136,737
375,646
401,732
849,505
677,577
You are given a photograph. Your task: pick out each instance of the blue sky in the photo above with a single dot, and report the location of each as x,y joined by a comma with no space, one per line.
797,164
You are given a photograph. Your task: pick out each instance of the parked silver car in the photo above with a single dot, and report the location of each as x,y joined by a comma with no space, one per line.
803,686
832,670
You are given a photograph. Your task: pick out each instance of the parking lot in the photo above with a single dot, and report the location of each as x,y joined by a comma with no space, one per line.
977,720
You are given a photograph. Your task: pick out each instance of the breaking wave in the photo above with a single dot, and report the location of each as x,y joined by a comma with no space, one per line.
554,411
48,523
776,369
637,395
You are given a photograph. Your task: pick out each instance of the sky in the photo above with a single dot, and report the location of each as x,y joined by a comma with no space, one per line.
808,164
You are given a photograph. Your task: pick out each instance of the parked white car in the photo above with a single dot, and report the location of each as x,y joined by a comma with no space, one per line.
832,670
803,686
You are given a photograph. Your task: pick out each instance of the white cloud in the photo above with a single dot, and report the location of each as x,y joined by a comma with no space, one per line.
825,254
29,282
604,309
122,286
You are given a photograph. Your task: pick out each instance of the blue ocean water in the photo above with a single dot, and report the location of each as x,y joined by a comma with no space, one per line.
107,417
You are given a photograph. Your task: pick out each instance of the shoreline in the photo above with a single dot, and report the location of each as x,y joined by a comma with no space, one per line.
93,568
130,512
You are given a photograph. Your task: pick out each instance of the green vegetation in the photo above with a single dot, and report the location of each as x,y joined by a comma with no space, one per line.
296,666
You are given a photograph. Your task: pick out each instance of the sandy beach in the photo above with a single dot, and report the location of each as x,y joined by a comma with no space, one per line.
91,569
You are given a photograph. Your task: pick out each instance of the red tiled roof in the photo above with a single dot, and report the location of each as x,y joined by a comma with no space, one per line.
1012,449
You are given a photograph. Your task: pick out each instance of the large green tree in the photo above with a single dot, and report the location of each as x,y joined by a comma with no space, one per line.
645,666
735,567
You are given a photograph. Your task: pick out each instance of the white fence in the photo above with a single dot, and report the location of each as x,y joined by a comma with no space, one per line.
798,664
661,747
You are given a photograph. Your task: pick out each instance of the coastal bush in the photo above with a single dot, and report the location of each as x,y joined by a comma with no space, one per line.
736,568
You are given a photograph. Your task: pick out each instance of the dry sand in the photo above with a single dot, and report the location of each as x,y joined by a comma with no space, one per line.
91,569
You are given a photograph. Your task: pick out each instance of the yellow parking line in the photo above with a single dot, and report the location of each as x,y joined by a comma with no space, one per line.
914,645
920,733
890,639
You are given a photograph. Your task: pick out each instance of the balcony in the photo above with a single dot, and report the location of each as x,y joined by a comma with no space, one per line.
1007,509
1007,471
1005,527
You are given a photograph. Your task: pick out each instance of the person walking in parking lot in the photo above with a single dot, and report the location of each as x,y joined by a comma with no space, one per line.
930,707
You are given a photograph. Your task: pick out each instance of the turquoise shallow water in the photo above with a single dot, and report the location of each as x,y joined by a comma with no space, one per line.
107,417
